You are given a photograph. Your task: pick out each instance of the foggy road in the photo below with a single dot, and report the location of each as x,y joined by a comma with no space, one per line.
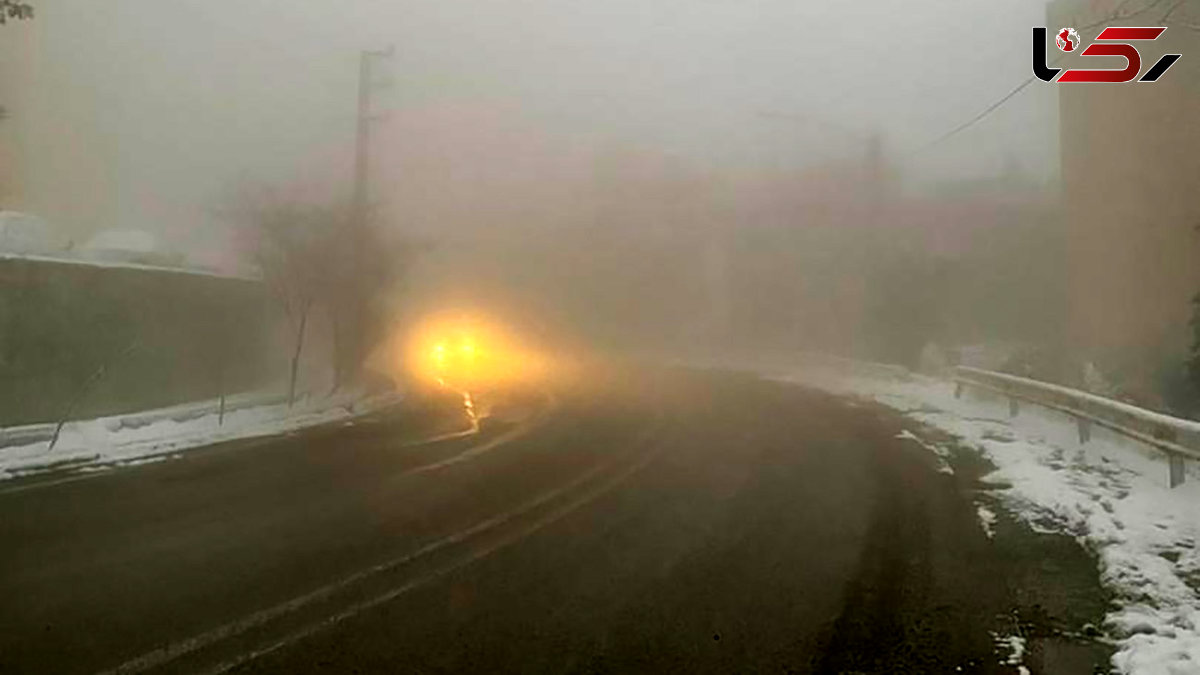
667,522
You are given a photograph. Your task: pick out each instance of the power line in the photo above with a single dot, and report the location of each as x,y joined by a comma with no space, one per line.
1116,15
971,122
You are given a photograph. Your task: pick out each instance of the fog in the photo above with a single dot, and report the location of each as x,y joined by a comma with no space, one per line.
751,174
163,103
692,336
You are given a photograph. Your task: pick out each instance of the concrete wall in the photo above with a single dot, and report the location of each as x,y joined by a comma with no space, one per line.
60,322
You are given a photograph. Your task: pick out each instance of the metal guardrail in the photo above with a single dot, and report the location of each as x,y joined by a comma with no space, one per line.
1178,438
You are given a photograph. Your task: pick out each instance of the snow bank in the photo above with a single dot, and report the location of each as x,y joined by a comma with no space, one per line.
1111,494
25,233
126,439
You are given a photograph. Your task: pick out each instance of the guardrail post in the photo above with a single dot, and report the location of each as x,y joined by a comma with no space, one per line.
1178,439
1176,464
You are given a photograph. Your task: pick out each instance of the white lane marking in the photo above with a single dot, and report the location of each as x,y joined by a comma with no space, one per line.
227,445
364,605
552,404
106,470
475,451
163,655
171,652
251,444
158,657
50,483
448,436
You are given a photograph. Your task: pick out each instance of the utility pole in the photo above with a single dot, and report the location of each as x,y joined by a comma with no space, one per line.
361,208
362,161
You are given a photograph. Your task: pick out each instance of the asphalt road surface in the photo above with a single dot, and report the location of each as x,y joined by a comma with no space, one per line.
641,522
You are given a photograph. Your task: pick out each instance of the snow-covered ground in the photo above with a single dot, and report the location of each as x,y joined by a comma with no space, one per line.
1111,494
89,445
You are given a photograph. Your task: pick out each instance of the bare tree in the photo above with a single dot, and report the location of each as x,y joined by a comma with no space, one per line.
291,255
360,276
337,296
309,259
14,9
289,243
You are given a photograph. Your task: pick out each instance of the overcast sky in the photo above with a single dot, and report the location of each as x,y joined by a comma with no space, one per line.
161,103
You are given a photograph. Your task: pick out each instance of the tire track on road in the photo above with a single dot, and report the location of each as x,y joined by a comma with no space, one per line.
586,487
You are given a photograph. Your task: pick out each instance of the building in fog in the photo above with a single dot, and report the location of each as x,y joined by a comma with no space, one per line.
10,178
55,159
1130,169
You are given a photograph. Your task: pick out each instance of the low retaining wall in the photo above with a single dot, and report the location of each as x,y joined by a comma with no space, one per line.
161,337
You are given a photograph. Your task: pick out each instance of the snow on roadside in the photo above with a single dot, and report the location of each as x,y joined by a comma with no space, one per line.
1014,645
987,520
942,453
92,444
1111,494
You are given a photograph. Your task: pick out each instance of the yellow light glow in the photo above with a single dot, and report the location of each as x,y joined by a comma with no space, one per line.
463,353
